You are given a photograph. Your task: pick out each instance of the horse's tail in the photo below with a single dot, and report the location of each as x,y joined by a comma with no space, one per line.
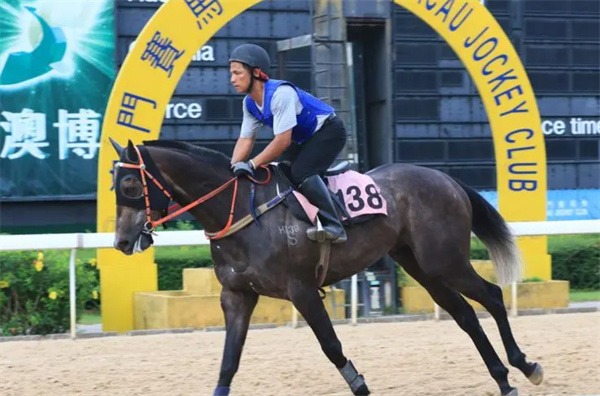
492,230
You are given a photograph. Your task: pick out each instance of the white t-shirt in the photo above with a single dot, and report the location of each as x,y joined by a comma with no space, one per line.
285,106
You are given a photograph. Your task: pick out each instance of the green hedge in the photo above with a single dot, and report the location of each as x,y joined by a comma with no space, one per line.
34,291
575,258
34,287
171,262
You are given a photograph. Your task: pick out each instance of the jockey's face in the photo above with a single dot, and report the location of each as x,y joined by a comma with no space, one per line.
240,77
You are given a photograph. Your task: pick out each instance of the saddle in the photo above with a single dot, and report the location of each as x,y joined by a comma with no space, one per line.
304,211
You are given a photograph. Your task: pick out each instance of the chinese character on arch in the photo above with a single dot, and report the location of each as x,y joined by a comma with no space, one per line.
205,10
162,53
25,134
130,102
78,133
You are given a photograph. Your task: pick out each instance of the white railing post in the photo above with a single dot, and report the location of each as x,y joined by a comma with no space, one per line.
436,311
513,300
354,299
73,294
294,317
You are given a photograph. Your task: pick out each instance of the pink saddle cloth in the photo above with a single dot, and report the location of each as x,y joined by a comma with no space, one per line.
359,193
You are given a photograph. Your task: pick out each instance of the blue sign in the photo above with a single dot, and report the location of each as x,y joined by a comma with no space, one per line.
564,204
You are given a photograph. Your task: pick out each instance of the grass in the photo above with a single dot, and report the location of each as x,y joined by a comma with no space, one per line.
90,317
584,295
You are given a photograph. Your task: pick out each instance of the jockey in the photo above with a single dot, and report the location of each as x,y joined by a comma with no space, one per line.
307,133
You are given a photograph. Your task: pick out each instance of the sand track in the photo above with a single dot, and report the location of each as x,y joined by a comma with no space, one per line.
420,358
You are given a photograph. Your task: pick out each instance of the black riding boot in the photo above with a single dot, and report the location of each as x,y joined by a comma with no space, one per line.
314,189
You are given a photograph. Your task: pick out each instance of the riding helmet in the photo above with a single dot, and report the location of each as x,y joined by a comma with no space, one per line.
253,56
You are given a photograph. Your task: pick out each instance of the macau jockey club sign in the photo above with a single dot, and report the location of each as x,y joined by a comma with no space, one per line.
56,70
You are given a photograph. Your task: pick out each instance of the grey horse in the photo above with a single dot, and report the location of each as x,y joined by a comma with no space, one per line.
427,231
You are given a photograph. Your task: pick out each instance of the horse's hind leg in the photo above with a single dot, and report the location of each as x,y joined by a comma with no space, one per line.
307,301
463,314
469,283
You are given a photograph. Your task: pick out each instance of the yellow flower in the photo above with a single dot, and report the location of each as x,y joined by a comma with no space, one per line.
4,284
40,256
52,295
95,294
93,262
38,265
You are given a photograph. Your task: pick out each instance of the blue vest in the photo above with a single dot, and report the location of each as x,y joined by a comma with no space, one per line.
307,119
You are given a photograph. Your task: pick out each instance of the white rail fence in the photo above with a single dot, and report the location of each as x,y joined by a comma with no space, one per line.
183,238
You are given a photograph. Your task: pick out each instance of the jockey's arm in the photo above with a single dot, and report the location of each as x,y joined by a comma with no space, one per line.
243,148
277,146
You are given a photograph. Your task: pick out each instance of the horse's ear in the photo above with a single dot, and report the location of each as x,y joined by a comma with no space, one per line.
131,153
118,148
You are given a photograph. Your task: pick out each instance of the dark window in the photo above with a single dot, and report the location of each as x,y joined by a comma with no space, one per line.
561,149
471,150
217,109
546,7
415,108
547,56
497,6
586,7
586,56
452,79
448,53
545,28
586,82
410,25
225,147
300,78
237,113
482,178
549,82
504,24
589,149
420,151
586,30
416,54
416,81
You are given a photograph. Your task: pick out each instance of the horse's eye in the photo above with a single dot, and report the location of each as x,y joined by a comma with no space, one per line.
131,187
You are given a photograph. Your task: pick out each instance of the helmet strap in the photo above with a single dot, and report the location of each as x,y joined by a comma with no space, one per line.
251,85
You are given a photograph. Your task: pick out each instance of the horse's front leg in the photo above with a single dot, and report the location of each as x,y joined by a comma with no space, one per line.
237,307
307,301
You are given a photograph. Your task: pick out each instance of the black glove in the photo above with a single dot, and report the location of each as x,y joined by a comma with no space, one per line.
243,168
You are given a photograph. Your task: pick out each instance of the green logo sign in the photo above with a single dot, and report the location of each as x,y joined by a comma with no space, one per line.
23,66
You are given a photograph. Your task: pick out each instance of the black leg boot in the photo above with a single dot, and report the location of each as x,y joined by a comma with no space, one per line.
314,189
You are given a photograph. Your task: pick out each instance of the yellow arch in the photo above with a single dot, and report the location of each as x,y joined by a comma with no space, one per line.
146,83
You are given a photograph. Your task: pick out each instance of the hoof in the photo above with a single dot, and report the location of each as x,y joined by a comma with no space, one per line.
537,376
362,390
513,392
221,391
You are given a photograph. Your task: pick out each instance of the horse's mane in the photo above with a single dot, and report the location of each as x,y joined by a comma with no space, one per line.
200,153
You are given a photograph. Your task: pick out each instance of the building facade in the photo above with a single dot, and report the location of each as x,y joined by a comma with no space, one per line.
406,98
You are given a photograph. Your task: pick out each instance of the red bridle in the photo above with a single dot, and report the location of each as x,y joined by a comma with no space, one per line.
150,225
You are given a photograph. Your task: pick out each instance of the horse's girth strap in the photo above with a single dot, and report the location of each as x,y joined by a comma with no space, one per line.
248,219
323,265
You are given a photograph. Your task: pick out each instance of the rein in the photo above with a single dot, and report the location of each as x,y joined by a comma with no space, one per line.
150,225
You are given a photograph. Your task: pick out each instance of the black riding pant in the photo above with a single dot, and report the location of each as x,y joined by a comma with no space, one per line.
316,154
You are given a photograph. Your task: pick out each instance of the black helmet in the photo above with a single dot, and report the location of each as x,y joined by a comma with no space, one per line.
253,56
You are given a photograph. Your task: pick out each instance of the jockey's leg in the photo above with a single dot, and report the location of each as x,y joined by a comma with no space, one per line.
315,190
314,157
